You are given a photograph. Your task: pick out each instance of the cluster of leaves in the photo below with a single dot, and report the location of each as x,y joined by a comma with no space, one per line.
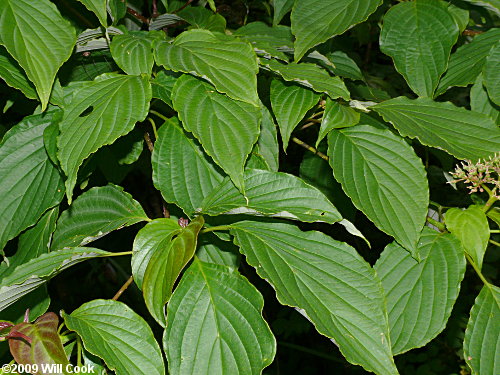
224,85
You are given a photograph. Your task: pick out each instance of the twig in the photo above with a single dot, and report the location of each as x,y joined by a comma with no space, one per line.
310,148
468,32
137,15
495,243
308,124
154,7
123,288
436,223
149,142
182,7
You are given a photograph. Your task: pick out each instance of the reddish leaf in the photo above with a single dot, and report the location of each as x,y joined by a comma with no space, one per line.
45,347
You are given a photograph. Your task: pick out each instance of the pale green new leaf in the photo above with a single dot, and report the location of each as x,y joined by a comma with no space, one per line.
272,194
310,76
29,183
482,335
181,171
336,116
39,38
101,112
491,74
215,324
155,236
29,276
460,132
133,52
420,295
329,282
32,243
480,101
98,7
94,214
468,61
227,129
165,266
226,62
472,229
14,75
418,35
281,7
114,332
384,178
315,21
290,103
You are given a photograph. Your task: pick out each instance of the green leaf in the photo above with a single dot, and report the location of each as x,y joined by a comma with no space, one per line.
460,15
30,183
215,324
134,349
101,112
28,276
420,295
14,75
345,66
289,197
165,266
98,7
329,281
482,336
133,52
281,7
117,10
45,347
267,41
418,35
491,5
290,103
162,86
203,18
39,38
462,133
229,64
468,61
37,302
212,249
490,73
480,101
336,116
310,76
227,129
472,229
32,243
315,21
384,178
181,171
268,140
318,173
94,214
153,237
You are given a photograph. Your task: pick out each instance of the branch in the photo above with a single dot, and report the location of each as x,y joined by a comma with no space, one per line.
310,148
123,288
137,15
